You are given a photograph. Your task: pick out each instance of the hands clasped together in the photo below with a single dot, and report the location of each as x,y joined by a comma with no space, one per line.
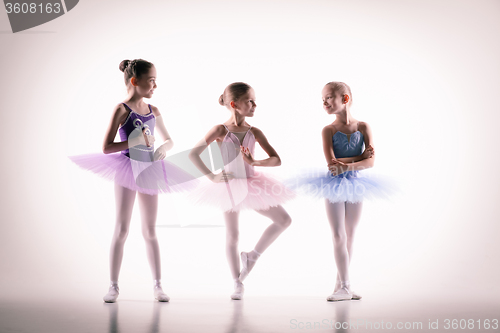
337,167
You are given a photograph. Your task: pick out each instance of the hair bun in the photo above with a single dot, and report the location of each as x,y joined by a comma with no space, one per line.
221,100
124,64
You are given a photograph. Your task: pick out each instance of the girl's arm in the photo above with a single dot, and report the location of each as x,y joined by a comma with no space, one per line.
194,154
365,163
327,135
160,128
272,160
120,114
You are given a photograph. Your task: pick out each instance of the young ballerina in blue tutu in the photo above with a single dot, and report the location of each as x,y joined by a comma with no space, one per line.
348,149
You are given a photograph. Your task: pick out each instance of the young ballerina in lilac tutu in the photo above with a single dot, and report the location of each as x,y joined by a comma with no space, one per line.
239,186
136,167
344,186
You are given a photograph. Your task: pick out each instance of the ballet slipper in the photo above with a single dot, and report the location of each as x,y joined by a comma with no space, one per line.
355,296
343,294
239,289
247,264
160,296
112,294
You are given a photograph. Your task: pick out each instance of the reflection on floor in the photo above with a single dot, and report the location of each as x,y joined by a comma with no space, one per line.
253,314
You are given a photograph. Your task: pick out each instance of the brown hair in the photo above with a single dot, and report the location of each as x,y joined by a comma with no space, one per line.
341,88
233,92
134,68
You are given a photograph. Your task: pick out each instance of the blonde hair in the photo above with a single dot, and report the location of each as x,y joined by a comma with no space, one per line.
341,88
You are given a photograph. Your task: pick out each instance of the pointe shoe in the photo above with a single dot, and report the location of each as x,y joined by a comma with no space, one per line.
239,289
343,294
160,296
112,294
247,264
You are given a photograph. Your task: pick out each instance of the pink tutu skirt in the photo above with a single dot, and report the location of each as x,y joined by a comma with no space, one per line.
145,177
259,192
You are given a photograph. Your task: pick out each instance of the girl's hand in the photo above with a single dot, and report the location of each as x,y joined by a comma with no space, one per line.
247,155
337,167
160,153
222,177
369,152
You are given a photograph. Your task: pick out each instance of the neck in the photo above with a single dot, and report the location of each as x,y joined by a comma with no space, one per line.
134,98
344,117
237,119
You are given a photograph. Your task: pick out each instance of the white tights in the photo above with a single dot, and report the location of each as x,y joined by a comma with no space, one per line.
148,205
344,218
281,220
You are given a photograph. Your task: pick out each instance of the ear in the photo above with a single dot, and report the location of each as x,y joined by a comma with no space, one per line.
133,81
346,99
232,104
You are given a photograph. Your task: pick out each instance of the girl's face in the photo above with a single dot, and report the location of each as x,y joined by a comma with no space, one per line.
333,102
246,104
146,84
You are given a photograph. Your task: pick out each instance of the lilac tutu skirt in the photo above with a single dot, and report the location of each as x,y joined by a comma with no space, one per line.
145,177
351,186
259,192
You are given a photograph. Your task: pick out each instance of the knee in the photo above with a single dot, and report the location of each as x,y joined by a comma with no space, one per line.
339,238
121,233
285,221
149,233
232,238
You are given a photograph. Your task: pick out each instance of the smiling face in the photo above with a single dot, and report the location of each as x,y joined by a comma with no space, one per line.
245,105
333,101
146,83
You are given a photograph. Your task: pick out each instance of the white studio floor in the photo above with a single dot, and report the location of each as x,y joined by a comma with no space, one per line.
253,314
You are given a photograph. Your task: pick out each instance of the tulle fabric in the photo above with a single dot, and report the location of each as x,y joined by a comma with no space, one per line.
351,186
259,192
145,177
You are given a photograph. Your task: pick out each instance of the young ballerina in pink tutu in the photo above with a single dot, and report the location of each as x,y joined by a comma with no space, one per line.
239,186
136,167
344,186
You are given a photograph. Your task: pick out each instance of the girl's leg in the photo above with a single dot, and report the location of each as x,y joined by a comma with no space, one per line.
352,218
124,204
281,220
148,205
336,215
232,235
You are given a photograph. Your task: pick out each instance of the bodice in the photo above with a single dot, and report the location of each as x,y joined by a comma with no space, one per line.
132,127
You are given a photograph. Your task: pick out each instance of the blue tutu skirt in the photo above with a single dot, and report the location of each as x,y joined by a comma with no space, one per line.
351,186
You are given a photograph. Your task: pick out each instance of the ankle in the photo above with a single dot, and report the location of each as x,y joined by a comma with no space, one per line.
345,285
254,255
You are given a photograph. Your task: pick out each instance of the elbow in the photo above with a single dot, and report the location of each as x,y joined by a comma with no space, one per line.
192,155
105,149
278,163
371,162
